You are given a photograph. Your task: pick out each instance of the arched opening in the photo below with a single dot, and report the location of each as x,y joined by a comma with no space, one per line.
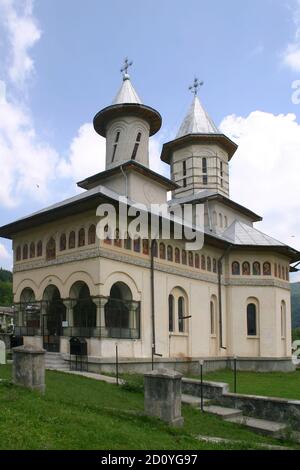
29,313
171,313
121,313
283,319
51,249
84,310
54,314
251,319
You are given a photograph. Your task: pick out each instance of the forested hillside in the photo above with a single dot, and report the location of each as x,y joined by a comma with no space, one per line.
296,304
6,293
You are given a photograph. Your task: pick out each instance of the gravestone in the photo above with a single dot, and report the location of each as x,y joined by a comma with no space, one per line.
2,352
29,367
163,395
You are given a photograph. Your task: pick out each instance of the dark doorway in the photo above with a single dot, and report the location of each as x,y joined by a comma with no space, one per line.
55,314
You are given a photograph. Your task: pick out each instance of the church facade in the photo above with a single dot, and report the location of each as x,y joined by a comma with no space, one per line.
153,297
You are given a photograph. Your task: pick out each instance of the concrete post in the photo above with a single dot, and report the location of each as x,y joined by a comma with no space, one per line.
29,367
163,395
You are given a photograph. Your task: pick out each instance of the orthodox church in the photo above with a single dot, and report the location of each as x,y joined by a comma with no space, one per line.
154,298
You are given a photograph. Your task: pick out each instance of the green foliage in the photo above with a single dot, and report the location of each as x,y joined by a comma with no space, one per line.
6,291
6,294
5,276
295,296
296,334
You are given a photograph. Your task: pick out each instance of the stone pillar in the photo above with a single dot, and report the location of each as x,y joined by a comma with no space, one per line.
69,312
29,367
163,395
100,303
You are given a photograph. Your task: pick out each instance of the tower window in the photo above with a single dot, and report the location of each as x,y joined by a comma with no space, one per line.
221,173
136,146
204,170
115,145
184,174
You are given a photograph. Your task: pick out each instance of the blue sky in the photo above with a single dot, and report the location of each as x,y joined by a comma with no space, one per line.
60,61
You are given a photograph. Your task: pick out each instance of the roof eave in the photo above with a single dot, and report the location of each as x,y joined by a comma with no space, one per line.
227,143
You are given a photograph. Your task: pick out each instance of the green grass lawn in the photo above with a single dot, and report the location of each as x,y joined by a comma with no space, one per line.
273,384
80,413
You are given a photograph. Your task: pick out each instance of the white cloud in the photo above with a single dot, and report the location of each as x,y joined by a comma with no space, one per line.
5,257
22,34
27,164
265,170
86,155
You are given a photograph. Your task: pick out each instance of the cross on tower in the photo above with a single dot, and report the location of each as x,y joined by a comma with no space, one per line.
197,84
124,69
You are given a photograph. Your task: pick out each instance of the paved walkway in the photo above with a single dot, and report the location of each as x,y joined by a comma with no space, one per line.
91,375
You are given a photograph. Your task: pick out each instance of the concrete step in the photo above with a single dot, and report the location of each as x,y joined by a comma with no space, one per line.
222,411
192,401
262,426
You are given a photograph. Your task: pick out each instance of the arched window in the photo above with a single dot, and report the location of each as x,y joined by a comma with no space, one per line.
213,316
256,268
32,250
225,221
127,242
92,235
40,248
51,249
246,268
287,274
170,253
209,263
267,269
145,246
197,261
72,240
63,242
81,237
177,255
275,269
191,259
204,170
251,320
184,257
137,245
283,319
162,251
235,268
171,313
136,146
221,220
107,238
181,314
282,272
214,265
117,136
117,240
215,218
18,253
221,172
203,263
184,174
25,251
154,249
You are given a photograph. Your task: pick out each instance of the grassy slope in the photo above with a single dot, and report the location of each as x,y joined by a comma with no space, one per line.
276,384
80,413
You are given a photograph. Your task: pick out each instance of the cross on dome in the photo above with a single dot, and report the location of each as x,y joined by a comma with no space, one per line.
197,84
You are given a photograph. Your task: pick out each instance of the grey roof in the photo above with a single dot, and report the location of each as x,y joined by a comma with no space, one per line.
127,93
197,121
243,234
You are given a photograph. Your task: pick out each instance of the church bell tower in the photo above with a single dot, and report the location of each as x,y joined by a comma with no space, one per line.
199,154
127,125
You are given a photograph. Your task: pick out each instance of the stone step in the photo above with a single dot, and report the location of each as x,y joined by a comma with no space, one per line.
192,400
262,426
222,411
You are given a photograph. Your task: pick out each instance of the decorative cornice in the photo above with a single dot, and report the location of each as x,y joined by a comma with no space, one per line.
145,263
